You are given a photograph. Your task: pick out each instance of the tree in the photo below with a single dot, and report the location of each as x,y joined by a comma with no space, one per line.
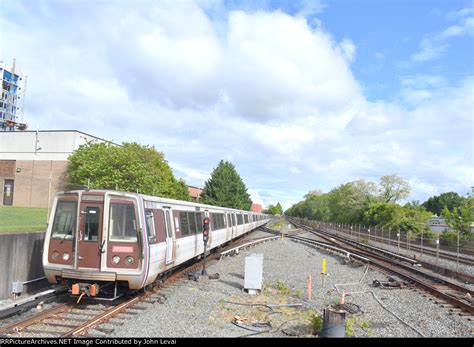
315,192
130,167
436,204
396,217
461,218
393,188
226,188
348,202
365,189
274,209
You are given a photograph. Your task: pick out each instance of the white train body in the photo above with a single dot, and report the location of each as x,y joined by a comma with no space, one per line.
103,237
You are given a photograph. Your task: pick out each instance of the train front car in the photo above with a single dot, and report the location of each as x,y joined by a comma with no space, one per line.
95,243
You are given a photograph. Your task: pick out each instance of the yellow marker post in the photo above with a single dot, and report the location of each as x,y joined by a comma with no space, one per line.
323,272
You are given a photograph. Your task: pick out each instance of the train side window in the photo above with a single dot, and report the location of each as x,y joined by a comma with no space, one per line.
213,221
239,219
199,220
65,220
222,220
123,224
150,226
91,224
183,220
229,222
192,222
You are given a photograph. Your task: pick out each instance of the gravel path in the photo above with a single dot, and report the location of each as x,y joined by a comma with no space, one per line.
194,309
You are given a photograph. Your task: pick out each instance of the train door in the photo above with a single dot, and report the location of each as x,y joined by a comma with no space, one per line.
89,243
170,237
228,225
234,225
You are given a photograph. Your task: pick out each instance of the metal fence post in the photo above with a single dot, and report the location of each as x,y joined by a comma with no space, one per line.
398,236
457,256
437,250
421,246
389,242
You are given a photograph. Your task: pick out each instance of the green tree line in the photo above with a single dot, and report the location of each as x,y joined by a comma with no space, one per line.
370,204
274,209
136,168
130,167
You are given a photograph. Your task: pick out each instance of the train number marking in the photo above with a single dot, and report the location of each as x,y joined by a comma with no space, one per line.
122,249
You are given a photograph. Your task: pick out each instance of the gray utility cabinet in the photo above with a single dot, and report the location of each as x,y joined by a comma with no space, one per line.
253,272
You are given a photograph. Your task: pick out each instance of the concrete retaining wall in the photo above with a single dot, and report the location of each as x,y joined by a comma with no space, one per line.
20,260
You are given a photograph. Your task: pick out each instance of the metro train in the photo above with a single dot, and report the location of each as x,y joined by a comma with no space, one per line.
104,243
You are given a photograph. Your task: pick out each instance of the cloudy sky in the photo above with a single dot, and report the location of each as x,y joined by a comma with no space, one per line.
298,95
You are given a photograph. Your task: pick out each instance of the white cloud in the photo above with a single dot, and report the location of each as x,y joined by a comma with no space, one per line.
311,7
189,173
435,45
264,90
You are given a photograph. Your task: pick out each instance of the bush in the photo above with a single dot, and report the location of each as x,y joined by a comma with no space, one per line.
316,323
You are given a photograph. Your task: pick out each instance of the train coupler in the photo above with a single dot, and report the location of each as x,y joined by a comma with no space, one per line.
81,289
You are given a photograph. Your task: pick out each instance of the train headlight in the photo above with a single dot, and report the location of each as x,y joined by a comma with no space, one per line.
116,259
55,255
129,260
66,256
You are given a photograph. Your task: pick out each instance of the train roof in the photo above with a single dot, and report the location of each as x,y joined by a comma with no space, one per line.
158,199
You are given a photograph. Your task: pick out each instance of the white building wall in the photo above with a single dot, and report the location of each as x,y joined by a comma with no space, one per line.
42,145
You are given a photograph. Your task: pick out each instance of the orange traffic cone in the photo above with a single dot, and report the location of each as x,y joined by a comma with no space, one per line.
310,286
343,296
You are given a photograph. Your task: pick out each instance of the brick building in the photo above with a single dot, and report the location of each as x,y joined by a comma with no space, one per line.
256,208
194,192
33,164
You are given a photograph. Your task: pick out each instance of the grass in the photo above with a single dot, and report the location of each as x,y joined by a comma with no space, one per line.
20,219
282,288
356,322
278,224
316,323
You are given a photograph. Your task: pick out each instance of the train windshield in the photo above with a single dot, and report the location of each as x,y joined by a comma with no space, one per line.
123,224
65,220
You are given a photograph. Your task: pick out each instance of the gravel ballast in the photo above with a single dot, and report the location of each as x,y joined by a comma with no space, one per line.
195,309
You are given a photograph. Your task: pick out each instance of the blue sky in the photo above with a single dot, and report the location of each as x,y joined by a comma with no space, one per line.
299,95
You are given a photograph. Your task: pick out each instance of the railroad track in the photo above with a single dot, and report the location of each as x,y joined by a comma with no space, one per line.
453,294
434,266
442,254
73,320
428,250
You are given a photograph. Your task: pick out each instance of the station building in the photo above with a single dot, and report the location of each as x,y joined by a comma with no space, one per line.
33,164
